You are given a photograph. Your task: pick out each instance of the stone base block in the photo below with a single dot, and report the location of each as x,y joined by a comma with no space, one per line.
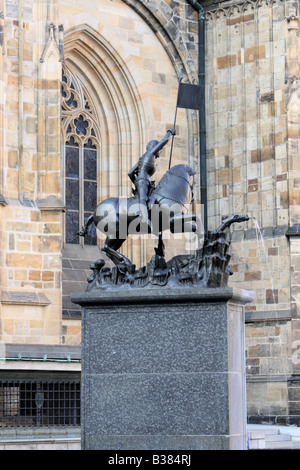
163,369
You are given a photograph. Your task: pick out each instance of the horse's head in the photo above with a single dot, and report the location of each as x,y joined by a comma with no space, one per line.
186,172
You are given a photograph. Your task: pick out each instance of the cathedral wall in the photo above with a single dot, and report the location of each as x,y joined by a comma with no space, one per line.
253,140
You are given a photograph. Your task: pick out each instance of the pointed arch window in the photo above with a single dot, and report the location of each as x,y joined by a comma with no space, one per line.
80,153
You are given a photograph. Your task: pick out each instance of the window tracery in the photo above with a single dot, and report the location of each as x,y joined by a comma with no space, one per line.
81,147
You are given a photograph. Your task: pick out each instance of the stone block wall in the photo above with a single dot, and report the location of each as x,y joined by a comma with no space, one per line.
260,261
253,145
31,227
268,367
247,119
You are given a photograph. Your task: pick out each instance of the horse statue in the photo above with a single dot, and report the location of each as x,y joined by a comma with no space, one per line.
166,209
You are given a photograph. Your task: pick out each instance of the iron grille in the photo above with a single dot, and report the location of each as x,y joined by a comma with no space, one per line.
39,403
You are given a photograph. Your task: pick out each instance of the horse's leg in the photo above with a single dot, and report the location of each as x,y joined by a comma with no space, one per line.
110,247
188,223
85,227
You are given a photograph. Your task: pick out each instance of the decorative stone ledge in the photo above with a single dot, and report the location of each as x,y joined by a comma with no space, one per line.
31,435
24,298
293,231
51,203
64,353
266,232
160,296
259,316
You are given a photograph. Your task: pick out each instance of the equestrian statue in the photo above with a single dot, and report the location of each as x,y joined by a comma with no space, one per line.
151,210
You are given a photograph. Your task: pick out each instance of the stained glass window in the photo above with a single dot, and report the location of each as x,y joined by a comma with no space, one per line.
80,156
81,125
90,187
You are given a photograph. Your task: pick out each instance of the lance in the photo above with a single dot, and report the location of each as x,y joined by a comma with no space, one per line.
180,77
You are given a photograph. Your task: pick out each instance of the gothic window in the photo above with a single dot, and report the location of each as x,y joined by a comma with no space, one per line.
81,147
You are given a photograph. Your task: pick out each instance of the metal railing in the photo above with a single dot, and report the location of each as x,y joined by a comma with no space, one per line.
39,403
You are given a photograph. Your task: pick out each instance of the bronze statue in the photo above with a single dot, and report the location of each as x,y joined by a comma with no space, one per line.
154,210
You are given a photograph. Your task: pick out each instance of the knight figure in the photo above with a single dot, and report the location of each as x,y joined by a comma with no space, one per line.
142,171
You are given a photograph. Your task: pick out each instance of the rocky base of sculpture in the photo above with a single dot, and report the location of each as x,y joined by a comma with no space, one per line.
208,267
163,371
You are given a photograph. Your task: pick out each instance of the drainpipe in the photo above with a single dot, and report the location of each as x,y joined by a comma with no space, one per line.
202,125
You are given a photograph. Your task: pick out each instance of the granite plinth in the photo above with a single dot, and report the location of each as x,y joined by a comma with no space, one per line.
163,369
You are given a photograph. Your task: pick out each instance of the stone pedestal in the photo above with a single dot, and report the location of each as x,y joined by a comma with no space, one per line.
163,369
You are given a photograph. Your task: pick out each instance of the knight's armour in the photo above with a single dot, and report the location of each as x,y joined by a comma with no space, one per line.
146,165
